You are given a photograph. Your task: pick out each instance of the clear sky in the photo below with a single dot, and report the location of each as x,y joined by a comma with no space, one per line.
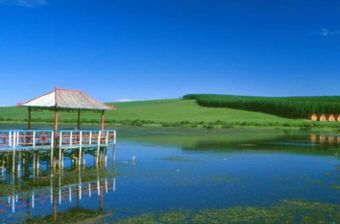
149,49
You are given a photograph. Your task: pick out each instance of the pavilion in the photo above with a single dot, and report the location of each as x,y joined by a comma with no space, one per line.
65,100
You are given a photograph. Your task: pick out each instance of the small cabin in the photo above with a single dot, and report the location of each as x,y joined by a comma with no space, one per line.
330,117
313,117
322,118
337,117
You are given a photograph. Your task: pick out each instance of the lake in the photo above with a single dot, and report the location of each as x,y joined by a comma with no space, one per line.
186,176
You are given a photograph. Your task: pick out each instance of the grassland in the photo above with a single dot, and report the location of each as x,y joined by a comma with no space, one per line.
169,113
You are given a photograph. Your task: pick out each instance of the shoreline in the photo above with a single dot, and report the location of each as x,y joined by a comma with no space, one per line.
129,124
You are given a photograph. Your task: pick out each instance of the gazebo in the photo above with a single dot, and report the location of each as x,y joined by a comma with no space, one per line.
65,100
96,142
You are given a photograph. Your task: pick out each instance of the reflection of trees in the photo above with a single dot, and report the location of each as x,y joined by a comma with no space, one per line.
197,139
301,144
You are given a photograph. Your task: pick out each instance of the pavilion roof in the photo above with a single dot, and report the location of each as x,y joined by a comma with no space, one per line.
66,99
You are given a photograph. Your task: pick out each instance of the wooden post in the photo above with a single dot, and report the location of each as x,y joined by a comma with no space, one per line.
102,121
78,124
56,123
60,149
98,147
52,145
29,124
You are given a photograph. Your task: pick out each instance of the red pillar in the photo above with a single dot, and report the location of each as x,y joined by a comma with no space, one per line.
78,124
29,124
102,121
56,123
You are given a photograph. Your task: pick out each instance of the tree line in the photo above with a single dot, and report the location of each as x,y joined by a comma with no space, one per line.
289,107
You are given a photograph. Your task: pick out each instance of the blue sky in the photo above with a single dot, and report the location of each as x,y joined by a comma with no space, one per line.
149,49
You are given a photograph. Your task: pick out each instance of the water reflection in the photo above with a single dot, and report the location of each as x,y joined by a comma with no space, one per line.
325,139
266,175
31,191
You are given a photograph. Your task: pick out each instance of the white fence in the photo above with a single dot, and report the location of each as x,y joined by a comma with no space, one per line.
16,139
78,138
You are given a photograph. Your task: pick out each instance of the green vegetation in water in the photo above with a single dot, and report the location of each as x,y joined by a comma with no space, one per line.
168,113
176,158
70,216
222,179
285,212
290,107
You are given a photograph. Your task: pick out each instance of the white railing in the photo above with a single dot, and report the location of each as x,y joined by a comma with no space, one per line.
70,138
13,139
26,138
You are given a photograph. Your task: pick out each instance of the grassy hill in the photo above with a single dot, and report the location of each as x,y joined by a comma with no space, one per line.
168,113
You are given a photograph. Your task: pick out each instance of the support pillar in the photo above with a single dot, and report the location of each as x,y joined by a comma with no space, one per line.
78,123
29,120
102,121
56,124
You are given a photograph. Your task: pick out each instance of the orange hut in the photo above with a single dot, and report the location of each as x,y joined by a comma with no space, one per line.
337,117
330,117
322,118
313,117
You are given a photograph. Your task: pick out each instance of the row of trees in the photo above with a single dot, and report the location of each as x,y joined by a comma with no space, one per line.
290,107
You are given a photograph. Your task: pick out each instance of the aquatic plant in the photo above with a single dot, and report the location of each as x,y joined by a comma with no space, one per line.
285,212
69,216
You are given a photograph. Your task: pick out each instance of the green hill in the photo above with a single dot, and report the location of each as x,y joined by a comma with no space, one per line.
167,113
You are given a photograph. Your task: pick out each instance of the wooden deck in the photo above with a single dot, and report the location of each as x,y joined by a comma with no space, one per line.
45,139
57,144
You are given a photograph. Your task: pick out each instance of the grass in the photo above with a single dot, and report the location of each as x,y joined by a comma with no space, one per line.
181,113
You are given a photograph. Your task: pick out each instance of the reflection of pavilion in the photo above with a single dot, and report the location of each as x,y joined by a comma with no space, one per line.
31,191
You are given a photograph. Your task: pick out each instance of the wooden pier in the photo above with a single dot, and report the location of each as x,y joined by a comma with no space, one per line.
36,139
29,158
41,141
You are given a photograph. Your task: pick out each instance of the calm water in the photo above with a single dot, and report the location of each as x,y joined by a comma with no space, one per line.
181,170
